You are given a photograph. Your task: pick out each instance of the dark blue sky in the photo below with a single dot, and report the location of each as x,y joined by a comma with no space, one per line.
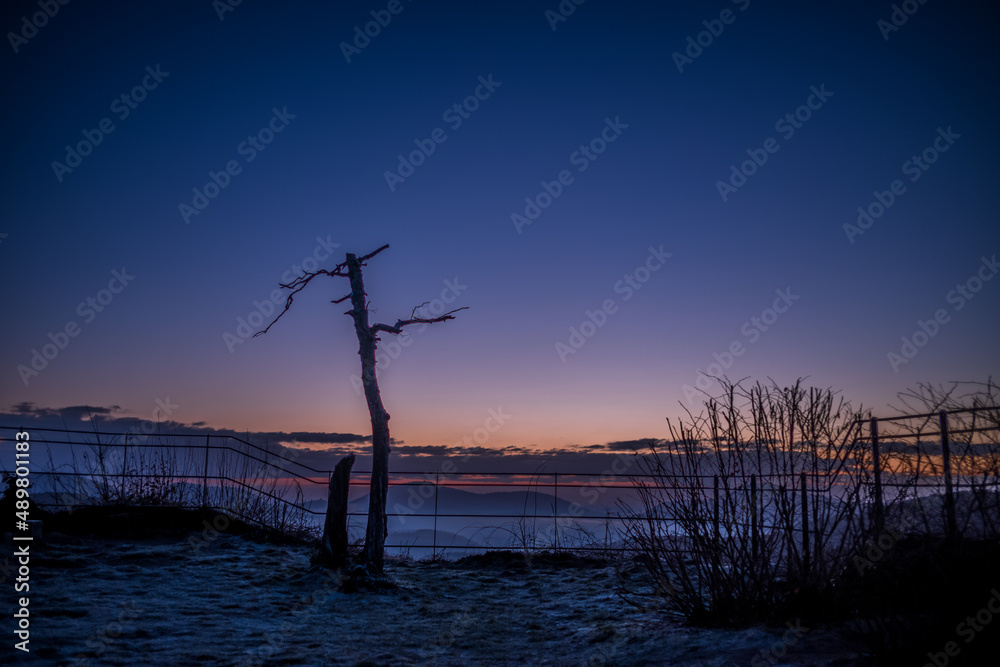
449,223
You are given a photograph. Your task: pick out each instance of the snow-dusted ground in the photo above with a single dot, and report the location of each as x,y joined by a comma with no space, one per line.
102,601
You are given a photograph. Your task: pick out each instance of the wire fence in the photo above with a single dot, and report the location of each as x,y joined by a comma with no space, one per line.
948,460
945,452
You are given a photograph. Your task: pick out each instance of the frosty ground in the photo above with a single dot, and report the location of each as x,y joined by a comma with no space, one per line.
234,601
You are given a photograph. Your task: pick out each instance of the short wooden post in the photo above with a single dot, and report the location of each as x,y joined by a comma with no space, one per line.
335,528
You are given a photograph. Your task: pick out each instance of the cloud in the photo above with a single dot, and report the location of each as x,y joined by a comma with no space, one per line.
320,438
73,413
321,450
104,419
630,445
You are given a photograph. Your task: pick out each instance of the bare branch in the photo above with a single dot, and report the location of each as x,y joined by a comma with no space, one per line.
362,260
413,313
398,326
296,286
309,275
341,271
300,283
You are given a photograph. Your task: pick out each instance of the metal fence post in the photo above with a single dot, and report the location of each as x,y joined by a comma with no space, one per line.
805,526
555,509
877,470
715,509
716,566
121,493
437,479
949,495
204,480
753,518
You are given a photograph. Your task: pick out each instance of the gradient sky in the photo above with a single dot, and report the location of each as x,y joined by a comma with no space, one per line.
323,176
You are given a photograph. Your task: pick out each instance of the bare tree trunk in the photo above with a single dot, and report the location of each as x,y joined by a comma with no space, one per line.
378,529
335,529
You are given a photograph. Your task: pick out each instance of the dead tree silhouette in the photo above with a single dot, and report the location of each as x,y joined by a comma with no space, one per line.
374,549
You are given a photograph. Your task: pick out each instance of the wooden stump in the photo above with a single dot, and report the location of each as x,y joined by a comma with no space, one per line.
334,544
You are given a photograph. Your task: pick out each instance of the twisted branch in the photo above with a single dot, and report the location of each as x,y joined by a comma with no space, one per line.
397,328
340,271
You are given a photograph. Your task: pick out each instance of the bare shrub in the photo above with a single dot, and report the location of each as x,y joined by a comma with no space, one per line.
254,485
234,477
135,470
760,495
